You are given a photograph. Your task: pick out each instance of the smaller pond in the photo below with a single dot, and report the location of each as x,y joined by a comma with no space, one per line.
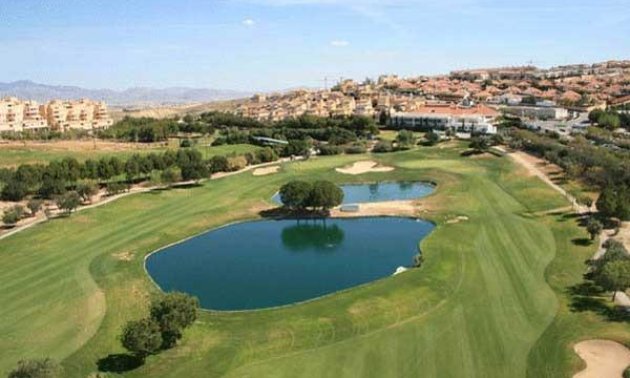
381,191
270,263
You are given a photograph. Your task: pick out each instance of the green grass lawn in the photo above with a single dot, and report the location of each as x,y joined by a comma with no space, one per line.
492,299
11,156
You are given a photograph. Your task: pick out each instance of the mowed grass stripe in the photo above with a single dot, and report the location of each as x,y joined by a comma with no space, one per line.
443,320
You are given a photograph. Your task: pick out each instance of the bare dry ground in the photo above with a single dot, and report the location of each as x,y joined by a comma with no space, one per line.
170,111
266,171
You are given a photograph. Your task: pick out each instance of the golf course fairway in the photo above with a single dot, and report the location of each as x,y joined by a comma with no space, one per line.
491,300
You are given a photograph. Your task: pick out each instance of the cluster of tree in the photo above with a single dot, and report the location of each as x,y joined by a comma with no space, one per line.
143,130
44,368
58,177
168,316
610,119
601,168
303,195
612,271
334,130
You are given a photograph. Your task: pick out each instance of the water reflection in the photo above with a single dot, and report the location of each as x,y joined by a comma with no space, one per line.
317,236
381,191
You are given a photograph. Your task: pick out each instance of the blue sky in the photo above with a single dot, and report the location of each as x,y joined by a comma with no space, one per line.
278,44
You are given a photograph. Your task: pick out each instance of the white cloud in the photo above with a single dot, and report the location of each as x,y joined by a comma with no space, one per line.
249,22
339,43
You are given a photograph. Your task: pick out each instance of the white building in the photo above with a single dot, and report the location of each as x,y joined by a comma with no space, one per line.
476,119
537,112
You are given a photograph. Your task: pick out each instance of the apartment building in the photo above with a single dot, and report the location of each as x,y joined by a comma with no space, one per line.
23,115
17,115
82,114
537,112
477,118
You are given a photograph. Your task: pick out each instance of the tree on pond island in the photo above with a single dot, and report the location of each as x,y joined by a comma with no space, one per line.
325,195
295,194
317,195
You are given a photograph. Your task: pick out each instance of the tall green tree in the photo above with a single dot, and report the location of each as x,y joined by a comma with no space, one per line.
295,194
325,195
173,313
614,276
594,227
142,337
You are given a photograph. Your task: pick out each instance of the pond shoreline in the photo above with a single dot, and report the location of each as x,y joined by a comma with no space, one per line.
349,216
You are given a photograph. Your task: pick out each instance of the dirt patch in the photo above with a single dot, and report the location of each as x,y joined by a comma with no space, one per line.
266,171
391,208
604,358
123,256
457,219
361,167
78,145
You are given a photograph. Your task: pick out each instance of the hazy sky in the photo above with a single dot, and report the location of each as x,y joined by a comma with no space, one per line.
277,44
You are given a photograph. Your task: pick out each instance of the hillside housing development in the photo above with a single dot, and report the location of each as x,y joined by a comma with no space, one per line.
18,115
449,101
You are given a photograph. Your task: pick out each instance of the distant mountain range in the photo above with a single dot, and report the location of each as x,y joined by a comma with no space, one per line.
140,96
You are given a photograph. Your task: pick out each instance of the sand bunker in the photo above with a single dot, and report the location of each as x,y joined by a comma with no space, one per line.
266,170
457,219
123,256
360,167
604,358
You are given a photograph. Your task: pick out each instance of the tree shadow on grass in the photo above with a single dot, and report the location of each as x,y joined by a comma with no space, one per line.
471,153
582,242
119,363
586,296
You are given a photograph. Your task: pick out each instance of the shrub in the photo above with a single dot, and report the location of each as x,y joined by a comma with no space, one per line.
236,163
10,217
114,188
169,176
194,171
185,143
34,206
432,138
87,190
383,147
13,191
356,149
266,155
330,150
68,202
219,164
45,368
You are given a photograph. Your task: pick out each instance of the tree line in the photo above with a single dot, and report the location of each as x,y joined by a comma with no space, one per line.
149,130
611,272
70,183
605,170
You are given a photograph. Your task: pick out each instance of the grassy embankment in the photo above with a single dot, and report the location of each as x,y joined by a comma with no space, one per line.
492,299
33,153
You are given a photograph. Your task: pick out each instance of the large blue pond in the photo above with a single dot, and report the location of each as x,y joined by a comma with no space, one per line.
270,263
381,191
